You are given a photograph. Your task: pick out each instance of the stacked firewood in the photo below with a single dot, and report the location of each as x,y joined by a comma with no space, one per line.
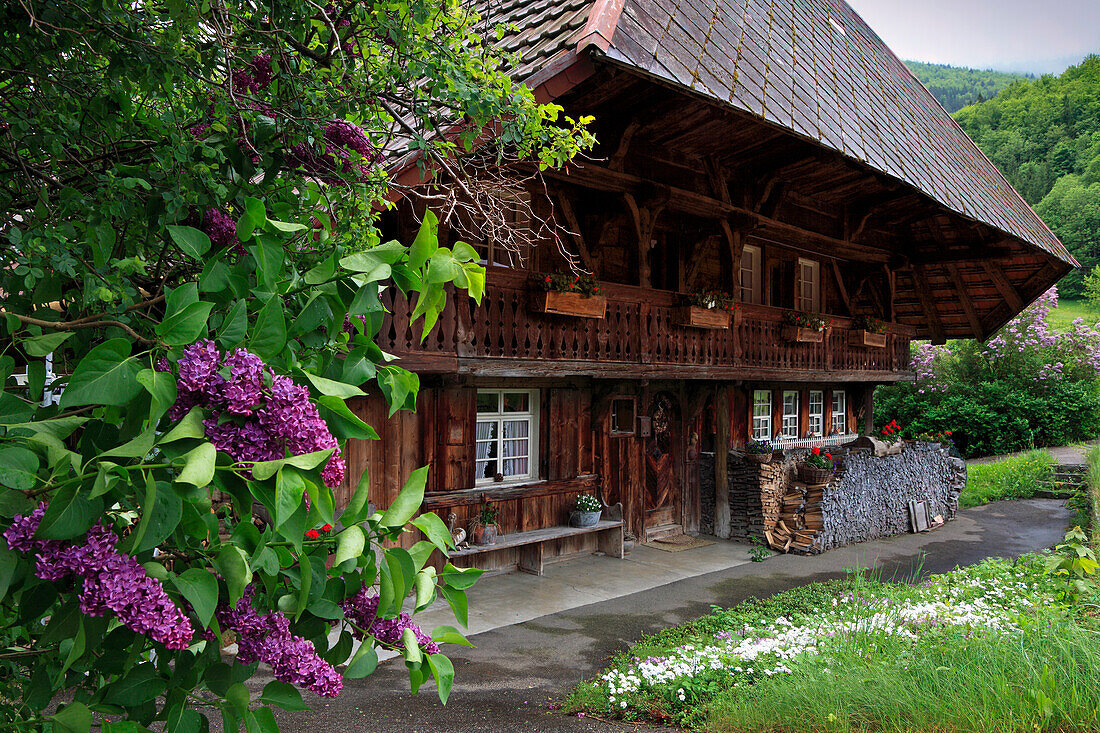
799,518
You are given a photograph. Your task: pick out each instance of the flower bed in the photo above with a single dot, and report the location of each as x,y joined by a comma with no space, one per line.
768,665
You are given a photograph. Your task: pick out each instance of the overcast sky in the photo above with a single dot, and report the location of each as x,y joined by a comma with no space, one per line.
1010,35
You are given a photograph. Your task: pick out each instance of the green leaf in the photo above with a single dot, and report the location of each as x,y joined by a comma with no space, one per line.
254,216
73,718
426,242
449,635
425,587
460,578
408,501
363,663
186,326
18,468
334,388
263,470
137,447
285,696
349,544
198,465
456,599
193,242
290,486
342,421
353,512
421,552
232,563
162,388
411,645
234,326
107,375
40,346
269,335
140,684
8,562
69,514
285,226
189,426
200,589
166,515
435,530
444,673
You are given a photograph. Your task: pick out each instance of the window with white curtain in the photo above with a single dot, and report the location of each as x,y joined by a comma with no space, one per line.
507,435
762,414
749,277
816,418
790,415
808,288
840,412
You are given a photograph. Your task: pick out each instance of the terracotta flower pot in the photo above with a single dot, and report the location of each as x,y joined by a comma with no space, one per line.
485,534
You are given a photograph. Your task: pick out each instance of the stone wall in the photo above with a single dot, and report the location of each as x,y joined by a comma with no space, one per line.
867,499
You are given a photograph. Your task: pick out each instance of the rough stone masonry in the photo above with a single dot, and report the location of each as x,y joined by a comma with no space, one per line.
868,497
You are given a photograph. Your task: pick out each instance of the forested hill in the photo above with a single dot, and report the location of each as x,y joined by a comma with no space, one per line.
1044,135
957,86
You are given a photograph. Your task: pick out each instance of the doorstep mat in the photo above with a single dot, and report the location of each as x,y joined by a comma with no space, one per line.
679,543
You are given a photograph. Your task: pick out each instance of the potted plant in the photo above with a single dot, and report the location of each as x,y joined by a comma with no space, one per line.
868,333
485,529
758,451
817,467
802,327
569,294
891,433
708,309
587,513
629,540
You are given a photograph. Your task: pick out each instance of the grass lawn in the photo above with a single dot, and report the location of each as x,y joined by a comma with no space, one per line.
1011,478
1062,317
998,646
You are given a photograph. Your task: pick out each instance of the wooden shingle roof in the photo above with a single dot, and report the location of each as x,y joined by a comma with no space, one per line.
813,67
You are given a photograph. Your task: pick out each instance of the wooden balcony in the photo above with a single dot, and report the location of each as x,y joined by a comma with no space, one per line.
638,338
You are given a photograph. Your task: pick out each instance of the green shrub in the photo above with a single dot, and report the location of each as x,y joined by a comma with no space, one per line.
1017,477
996,417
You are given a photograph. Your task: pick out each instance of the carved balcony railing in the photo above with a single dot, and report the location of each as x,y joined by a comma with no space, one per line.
640,330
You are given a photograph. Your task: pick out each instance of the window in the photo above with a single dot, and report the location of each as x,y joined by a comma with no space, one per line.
507,435
807,296
840,413
762,414
622,416
816,420
790,415
749,280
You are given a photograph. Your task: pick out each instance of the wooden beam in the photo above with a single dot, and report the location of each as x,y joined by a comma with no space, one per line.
965,301
645,220
924,294
1003,285
615,162
721,465
690,202
843,291
697,262
571,220
892,292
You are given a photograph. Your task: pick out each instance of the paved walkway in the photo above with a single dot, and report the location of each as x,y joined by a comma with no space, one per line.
508,680
1067,455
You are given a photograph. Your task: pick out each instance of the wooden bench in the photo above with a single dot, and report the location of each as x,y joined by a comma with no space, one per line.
609,541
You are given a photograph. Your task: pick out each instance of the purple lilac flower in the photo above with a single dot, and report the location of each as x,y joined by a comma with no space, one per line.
362,608
265,421
113,582
261,70
267,638
220,227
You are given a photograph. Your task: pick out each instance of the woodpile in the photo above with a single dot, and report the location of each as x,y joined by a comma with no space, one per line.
800,518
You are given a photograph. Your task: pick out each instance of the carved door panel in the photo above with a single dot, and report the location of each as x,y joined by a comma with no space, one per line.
662,488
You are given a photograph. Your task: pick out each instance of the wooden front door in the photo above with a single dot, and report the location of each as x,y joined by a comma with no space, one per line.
662,469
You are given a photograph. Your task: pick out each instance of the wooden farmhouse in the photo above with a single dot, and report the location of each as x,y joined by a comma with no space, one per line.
775,150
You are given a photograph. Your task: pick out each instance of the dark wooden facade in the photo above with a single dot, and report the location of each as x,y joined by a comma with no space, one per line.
683,184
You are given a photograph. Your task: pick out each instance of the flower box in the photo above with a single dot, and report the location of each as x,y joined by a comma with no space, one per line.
569,304
801,335
762,458
814,475
693,316
867,339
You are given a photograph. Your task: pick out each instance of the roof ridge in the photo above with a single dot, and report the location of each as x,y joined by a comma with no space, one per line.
600,28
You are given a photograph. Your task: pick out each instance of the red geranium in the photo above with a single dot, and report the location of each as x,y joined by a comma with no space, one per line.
326,528
816,451
313,534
